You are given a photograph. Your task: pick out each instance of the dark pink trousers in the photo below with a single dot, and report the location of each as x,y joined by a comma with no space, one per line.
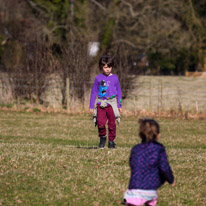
104,114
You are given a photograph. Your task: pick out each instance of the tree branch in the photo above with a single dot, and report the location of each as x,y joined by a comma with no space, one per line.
134,14
125,42
42,10
99,5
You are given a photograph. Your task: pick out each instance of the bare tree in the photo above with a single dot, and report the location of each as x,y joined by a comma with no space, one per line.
75,66
150,25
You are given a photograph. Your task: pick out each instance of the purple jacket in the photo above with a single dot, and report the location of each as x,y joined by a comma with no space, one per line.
149,166
106,87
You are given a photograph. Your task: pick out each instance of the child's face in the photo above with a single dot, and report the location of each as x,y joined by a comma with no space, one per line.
107,70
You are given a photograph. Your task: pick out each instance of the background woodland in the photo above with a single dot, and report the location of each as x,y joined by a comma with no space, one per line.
43,37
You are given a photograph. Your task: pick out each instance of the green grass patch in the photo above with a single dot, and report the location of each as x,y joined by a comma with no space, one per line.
52,159
6,105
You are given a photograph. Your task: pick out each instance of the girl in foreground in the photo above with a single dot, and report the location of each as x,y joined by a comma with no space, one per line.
149,166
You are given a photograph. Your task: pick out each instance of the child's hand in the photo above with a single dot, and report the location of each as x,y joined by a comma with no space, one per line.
173,184
120,110
91,111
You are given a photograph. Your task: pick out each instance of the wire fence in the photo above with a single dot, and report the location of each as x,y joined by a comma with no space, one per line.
150,93
160,93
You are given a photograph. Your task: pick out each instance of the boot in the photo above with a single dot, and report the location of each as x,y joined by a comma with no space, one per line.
102,141
111,145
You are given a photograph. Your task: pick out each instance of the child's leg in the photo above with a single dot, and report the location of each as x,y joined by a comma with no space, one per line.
152,202
111,123
137,201
101,120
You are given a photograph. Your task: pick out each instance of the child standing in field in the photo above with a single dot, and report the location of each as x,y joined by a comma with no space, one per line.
149,166
108,108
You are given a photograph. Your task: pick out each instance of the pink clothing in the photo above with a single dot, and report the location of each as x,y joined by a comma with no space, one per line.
104,114
137,201
138,197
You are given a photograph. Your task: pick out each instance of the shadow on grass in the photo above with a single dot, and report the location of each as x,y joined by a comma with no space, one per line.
80,144
87,147
55,141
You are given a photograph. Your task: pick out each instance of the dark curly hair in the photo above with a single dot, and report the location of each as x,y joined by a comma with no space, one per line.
106,59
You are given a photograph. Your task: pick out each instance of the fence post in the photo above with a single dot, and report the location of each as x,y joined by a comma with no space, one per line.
36,88
68,93
161,95
150,95
18,102
84,97
196,106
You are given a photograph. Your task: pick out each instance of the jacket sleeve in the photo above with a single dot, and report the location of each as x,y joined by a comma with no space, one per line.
119,94
165,170
94,93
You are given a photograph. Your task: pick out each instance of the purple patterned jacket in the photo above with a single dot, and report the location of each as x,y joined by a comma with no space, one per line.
149,166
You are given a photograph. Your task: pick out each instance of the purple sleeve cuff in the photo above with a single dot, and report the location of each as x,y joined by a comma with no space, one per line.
119,95
165,168
94,93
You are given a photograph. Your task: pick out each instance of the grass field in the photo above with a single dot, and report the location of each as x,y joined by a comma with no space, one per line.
51,159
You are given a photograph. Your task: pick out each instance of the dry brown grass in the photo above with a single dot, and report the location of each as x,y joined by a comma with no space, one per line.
51,159
178,93
168,96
